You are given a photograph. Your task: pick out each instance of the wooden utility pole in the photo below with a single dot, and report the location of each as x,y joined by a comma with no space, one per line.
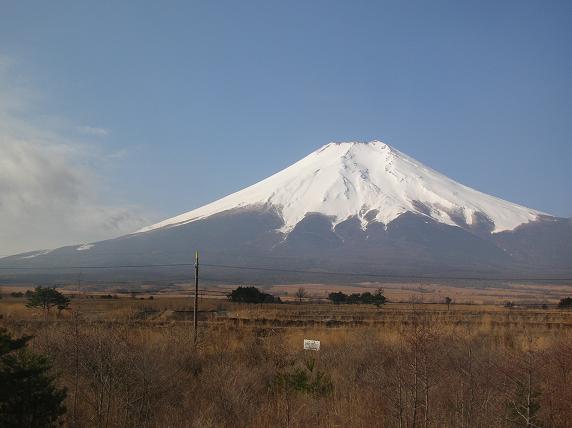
195,312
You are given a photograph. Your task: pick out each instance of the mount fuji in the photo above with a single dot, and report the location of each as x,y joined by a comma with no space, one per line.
364,208
372,182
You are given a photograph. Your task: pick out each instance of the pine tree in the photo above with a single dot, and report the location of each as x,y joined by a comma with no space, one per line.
29,397
46,298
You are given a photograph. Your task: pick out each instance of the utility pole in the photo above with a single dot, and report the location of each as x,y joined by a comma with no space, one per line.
79,293
195,312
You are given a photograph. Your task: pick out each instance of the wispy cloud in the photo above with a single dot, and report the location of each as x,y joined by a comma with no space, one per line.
50,193
92,130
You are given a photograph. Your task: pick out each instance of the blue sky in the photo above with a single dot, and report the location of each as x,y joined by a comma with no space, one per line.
156,108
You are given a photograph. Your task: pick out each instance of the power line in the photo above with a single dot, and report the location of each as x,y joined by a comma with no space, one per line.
93,266
296,271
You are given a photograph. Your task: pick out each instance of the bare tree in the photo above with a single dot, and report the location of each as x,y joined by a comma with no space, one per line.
301,294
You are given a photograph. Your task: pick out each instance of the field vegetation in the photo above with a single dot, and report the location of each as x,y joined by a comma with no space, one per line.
131,362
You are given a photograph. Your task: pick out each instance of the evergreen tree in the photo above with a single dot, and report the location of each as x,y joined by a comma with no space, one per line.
378,297
28,396
251,295
338,297
47,298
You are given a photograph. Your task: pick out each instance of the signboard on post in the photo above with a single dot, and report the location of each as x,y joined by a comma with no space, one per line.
311,345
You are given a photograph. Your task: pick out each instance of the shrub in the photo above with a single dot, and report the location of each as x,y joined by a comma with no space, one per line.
367,297
306,380
251,295
338,297
565,302
377,298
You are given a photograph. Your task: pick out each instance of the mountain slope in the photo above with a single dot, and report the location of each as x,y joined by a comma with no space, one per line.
348,207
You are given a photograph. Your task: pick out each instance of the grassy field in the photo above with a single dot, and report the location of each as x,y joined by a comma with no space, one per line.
132,362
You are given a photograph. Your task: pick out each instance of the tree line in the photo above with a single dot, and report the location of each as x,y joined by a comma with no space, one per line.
377,298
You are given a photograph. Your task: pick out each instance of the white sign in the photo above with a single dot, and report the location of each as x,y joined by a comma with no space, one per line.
312,345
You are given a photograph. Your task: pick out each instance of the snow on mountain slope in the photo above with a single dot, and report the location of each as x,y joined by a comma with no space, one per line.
372,181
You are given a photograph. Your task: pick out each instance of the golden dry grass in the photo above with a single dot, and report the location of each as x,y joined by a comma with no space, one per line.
131,362
479,293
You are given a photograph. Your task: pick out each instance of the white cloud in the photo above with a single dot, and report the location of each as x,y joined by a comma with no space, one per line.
92,130
50,193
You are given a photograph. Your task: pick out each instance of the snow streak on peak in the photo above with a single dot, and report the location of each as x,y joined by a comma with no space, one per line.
371,181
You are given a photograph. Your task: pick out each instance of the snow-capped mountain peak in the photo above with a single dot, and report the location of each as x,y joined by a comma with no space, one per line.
371,181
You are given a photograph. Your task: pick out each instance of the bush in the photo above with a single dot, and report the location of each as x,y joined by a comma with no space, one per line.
338,297
306,380
366,298
251,295
565,302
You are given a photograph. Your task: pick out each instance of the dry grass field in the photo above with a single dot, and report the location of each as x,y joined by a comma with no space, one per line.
479,292
132,362
473,292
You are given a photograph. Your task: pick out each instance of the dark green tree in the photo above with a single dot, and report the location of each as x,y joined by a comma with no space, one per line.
28,395
251,295
354,298
565,302
366,298
46,298
338,297
378,298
